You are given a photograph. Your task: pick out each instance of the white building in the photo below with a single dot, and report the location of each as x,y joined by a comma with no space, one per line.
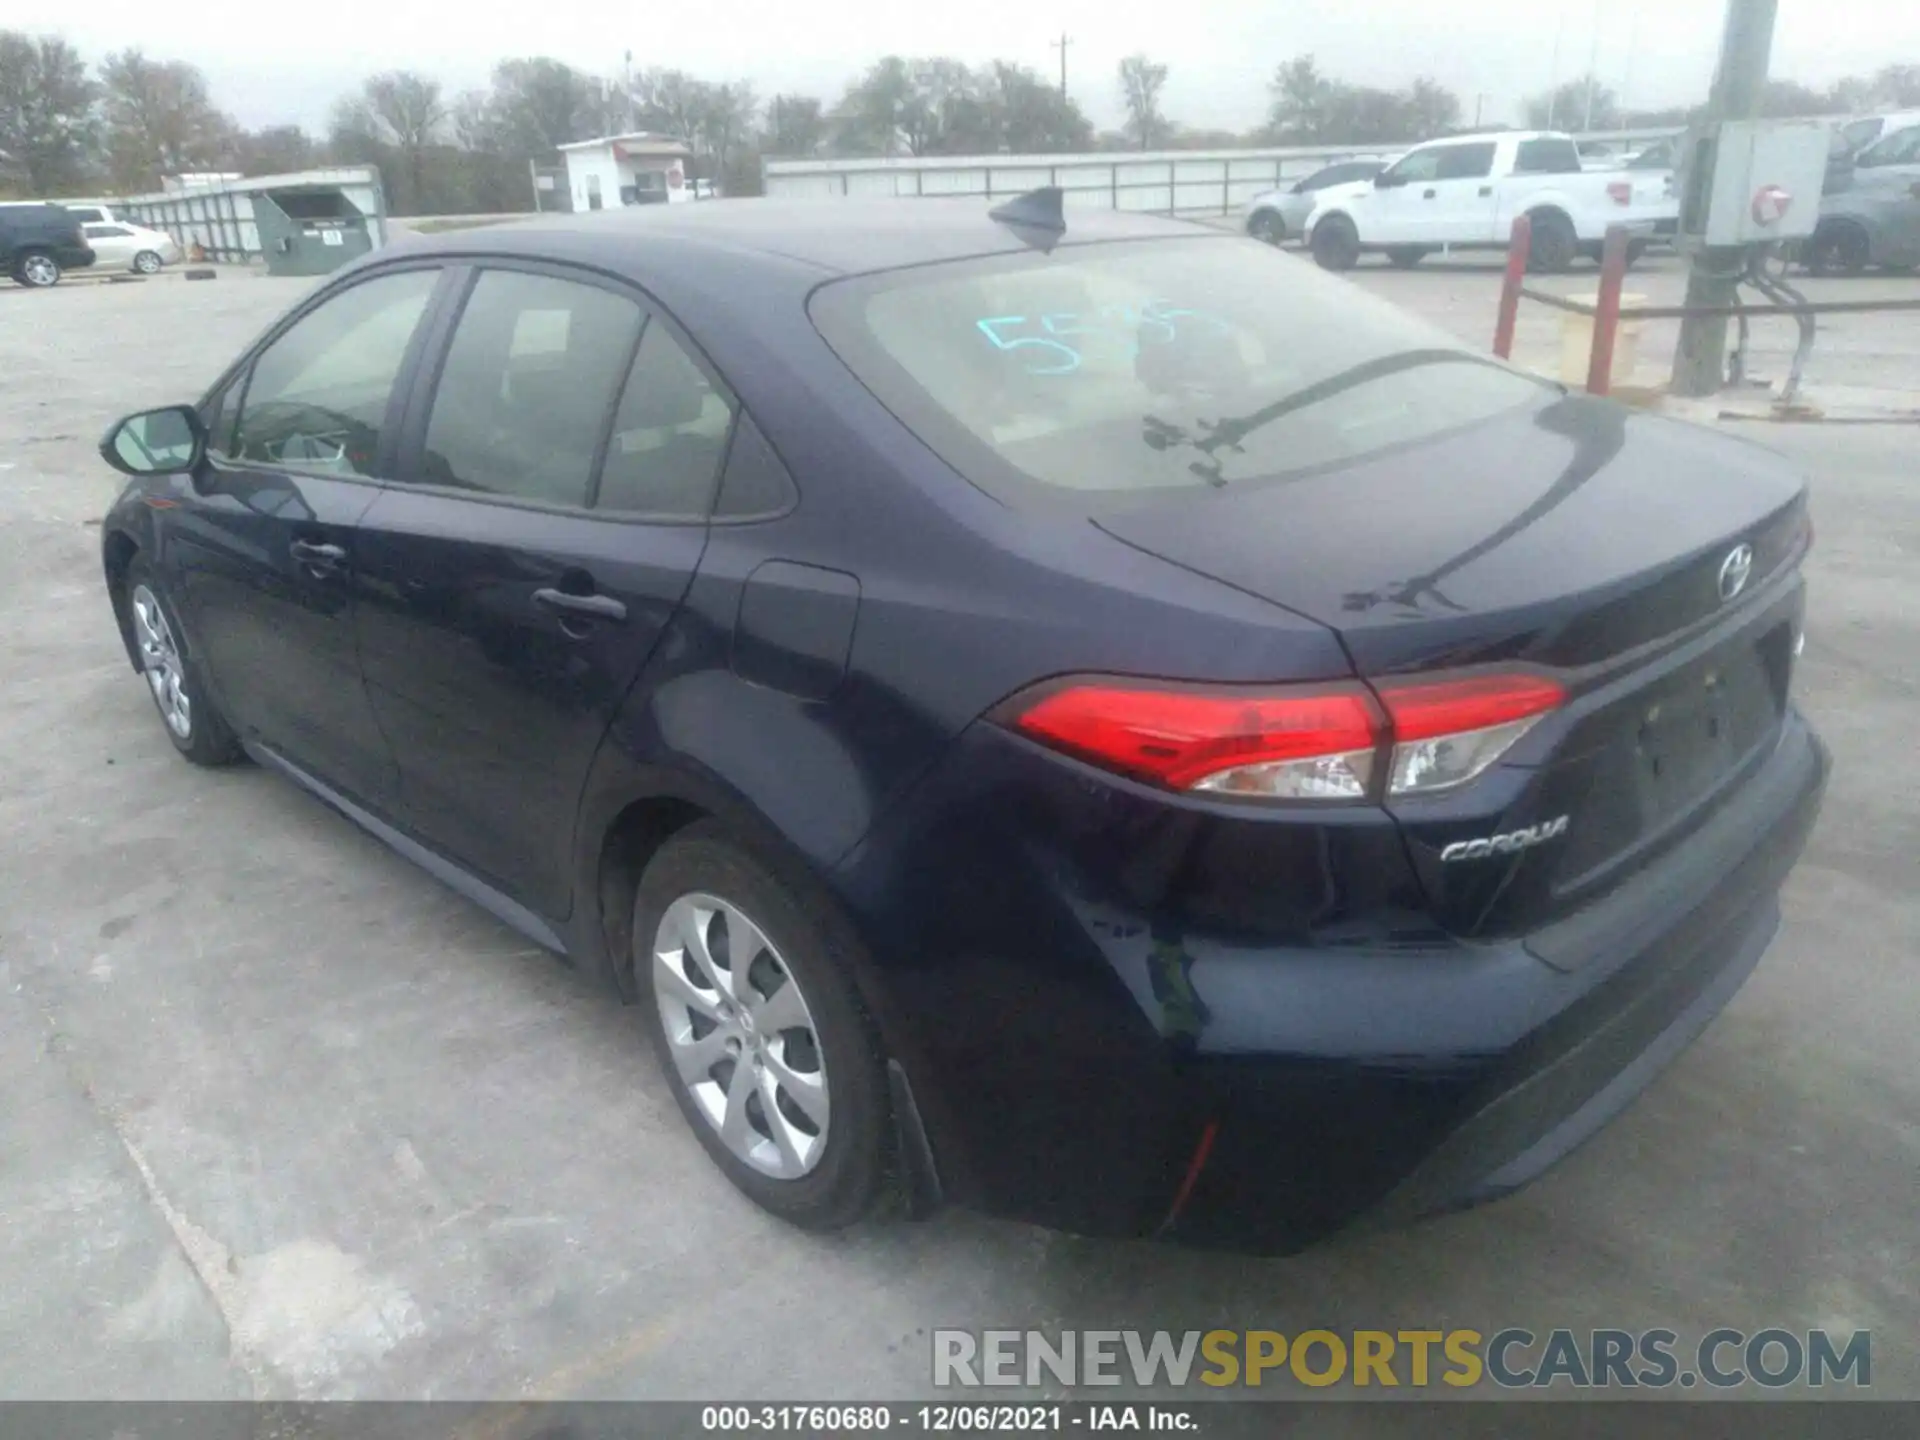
637,169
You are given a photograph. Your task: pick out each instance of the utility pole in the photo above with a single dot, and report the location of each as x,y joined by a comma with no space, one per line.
1061,45
1478,101
1746,42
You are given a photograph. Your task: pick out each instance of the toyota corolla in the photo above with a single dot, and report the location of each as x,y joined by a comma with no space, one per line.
1083,717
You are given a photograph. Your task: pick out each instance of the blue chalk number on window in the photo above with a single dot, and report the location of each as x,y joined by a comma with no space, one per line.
1066,358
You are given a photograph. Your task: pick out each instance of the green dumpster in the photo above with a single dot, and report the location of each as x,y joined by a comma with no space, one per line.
309,230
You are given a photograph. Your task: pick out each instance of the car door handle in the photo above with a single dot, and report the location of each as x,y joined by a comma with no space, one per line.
1485,190
597,607
317,556
1427,194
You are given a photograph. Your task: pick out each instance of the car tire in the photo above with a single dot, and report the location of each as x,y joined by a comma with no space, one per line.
1336,244
814,1152
1267,227
173,677
36,269
1553,245
1838,247
1405,257
148,262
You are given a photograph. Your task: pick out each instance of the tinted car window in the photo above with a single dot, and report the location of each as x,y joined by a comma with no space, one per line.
1546,157
1419,165
1900,148
755,483
669,434
318,396
1469,162
1149,367
1341,174
527,388
1859,132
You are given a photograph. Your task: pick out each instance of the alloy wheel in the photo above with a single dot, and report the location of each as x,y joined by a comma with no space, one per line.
147,263
40,270
160,659
740,1035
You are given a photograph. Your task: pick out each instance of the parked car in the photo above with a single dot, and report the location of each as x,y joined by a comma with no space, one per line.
1857,135
1101,723
1276,216
1464,193
1875,220
92,212
1895,154
131,247
39,243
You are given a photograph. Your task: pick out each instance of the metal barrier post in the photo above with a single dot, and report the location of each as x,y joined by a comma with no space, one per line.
1518,246
1606,310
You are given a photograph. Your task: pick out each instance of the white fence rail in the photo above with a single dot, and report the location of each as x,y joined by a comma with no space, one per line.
1166,182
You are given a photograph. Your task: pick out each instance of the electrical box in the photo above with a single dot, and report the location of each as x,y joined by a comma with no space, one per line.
1751,182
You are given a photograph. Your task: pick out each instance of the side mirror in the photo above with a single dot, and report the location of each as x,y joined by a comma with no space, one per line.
1385,180
169,441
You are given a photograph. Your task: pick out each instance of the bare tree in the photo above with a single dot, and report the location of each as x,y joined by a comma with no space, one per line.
725,121
795,125
403,111
160,121
1141,81
46,111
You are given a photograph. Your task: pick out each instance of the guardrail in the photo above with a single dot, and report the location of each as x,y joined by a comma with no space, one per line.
1167,182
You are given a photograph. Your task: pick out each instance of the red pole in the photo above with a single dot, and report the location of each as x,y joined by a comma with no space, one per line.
1518,245
1606,311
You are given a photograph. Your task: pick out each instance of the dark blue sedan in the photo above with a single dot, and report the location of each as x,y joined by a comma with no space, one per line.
1091,720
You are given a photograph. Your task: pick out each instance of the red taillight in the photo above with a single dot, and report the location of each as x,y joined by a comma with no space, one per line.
1446,732
1620,191
1278,743
1305,743
1422,710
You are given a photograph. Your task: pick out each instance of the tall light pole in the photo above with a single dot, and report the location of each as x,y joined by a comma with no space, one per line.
1746,42
1593,68
1061,45
1553,76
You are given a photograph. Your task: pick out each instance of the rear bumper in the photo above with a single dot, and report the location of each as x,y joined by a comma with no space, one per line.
1070,1077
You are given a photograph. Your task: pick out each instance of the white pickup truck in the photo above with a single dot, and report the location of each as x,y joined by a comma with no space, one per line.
1463,193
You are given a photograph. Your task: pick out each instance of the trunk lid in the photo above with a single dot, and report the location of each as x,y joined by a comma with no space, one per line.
1580,537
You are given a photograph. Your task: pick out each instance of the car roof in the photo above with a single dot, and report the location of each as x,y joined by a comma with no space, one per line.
825,236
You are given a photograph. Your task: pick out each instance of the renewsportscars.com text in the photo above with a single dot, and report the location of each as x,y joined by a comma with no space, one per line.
1512,1358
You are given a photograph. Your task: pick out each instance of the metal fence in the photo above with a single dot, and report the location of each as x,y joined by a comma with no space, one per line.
1166,182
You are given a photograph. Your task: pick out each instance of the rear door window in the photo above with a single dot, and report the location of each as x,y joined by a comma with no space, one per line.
1546,156
528,387
669,434
1468,162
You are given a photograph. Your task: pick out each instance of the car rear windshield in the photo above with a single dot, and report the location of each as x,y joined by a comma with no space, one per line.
1107,370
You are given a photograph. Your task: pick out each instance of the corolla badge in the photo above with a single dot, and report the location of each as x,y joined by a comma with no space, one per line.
1734,571
1507,843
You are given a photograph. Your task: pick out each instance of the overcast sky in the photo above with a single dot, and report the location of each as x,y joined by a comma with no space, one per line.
1221,53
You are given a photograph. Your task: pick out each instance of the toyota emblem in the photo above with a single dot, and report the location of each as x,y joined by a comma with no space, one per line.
1734,571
